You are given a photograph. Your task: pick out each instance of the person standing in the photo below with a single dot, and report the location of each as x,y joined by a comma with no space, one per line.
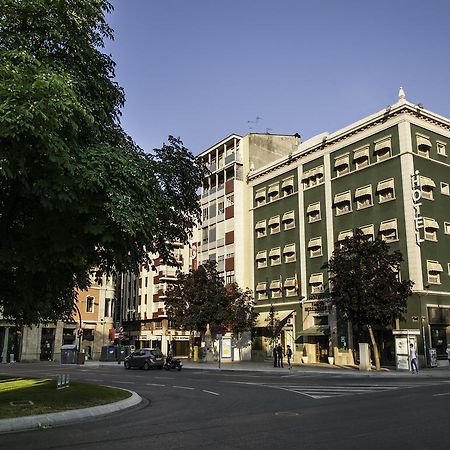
280,355
275,356
413,358
289,355
448,353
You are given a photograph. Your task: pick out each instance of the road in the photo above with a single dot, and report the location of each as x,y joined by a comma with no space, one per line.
201,409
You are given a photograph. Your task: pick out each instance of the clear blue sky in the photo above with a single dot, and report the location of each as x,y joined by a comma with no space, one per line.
201,69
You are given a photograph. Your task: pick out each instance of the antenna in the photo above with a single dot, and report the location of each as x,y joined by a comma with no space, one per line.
255,122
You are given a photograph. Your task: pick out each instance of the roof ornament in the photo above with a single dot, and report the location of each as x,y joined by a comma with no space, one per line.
401,94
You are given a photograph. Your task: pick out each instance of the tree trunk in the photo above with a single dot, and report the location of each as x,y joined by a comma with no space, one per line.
376,354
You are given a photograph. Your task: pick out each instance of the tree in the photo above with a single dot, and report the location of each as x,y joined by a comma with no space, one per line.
274,326
200,298
365,286
76,192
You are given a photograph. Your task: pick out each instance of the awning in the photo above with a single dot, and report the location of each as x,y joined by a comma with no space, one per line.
316,278
261,225
434,267
343,160
430,223
275,285
341,198
315,242
288,216
289,249
274,252
262,255
427,182
289,282
344,234
422,140
384,185
313,208
307,174
319,330
363,192
281,316
361,153
260,194
287,183
368,230
273,188
261,287
389,225
318,171
383,144
274,220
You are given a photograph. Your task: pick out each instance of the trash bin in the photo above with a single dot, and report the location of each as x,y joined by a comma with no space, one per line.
108,353
69,354
80,357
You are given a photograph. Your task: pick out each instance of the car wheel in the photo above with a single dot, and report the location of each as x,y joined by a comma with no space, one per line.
146,366
127,365
179,368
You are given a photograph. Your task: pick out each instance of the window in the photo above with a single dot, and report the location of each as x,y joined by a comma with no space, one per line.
288,220
363,197
89,304
368,231
261,259
434,270
313,212
273,193
342,235
229,277
108,309
260,229
312,177
445,188
205,214
230,199
386,190
220,208
320,320
275,289
315,247
261,290
289,286
382,149
316,283
274,224
426,186
388,230
423,145
260,197
287,186
430,229
275,256
343,203
342,164
441,148
361,157
447,227
289,253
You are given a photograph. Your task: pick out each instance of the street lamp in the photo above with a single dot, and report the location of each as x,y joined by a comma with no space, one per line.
80,331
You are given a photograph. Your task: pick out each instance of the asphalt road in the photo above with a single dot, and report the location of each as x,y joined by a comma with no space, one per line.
201,409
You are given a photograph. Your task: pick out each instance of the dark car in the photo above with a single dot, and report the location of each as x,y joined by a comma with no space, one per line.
145,358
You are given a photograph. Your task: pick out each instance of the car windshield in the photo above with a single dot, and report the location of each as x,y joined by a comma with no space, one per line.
156,352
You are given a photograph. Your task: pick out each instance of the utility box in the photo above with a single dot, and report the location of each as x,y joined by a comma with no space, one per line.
69,354
108,353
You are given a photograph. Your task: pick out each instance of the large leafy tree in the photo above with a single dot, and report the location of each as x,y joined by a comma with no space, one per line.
200,298
365,286
76,192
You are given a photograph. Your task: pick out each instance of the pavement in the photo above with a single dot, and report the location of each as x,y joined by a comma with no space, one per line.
66,417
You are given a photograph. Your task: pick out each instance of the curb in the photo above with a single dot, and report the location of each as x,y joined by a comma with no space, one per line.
75,415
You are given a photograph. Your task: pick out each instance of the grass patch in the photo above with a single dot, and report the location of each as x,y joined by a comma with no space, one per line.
47,399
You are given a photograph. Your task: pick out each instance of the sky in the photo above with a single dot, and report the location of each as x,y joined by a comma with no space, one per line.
203,69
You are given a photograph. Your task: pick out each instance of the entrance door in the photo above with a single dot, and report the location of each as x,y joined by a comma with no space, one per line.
47,344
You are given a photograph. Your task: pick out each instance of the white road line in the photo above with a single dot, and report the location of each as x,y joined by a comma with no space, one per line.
438,395
184,387
95,379
154,384
211,392
124,382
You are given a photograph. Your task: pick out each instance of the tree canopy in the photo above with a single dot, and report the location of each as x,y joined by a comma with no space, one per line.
365,284
200,298
76,192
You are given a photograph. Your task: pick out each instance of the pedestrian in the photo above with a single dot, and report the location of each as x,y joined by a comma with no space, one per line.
413,358
448,353
280,355
275,356
289,355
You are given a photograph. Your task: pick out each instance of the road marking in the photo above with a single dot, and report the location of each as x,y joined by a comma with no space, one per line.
211,392
438,395
95,379
164,378
154,384
124,382
184,387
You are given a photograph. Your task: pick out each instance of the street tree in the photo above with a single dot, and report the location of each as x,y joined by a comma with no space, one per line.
365,285
76,192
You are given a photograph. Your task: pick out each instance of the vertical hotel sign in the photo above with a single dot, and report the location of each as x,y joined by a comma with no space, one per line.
416,198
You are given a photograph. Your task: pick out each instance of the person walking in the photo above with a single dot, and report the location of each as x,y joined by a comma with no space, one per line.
280,355
289,355
275,356
413,358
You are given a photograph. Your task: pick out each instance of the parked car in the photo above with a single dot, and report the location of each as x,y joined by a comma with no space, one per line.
145,358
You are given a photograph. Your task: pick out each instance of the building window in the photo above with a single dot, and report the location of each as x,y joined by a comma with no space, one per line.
275,256
434,270
205,214
342,164
343,203
289,253
230,200
368,231
261,259
447,227
383,149
316,283
315,247
430,227
313,212
274,224
445,188
273,193
220,208
363,197
423,145
229,276
260,197
388,230
262,290
90,304
426,186
288,220
287,186
275,289
342,235
312,177
386,190
260,229
289,287
441,149
108,309
361,157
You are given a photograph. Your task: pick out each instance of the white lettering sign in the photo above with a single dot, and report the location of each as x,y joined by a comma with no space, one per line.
416,197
